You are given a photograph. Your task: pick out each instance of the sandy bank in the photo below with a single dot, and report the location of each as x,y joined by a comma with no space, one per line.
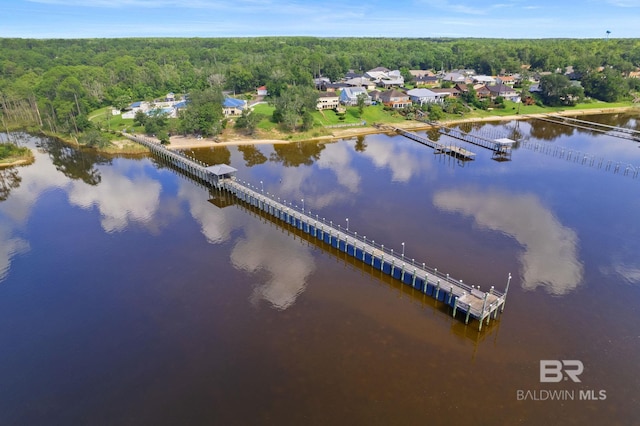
185,142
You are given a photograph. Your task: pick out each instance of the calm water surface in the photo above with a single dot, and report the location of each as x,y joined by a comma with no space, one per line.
131,295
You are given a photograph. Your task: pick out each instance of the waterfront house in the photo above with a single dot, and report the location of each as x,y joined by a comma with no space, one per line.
507,92
395,99
233,107
481,91
328,100
425,96
349,96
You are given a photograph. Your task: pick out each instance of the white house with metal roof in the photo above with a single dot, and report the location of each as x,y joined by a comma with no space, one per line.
425,96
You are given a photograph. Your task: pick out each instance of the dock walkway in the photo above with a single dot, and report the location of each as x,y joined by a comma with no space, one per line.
466,299
439,148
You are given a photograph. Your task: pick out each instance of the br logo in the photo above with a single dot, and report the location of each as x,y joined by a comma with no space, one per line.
554,370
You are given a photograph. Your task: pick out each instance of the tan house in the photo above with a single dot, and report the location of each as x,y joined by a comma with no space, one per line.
481,91
395,99
328,100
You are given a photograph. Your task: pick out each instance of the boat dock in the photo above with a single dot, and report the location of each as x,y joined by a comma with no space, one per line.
501,148
466,300
454,151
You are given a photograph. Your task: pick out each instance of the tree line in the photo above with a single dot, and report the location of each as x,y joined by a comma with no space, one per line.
56,83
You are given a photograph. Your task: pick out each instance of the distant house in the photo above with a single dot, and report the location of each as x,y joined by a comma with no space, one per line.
171,97
454,77
425,96
505,91
332,87
321,81
349,96
262,91
352,74
390,82
361,82
385,78
507,80
484,79
328,100
426,80
481,91
232,106
461,87
420,73
375,95
395,99
451,92
133,108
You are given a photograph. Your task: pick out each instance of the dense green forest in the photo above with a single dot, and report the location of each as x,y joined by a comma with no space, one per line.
56,83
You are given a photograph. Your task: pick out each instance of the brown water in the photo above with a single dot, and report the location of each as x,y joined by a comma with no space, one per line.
126,297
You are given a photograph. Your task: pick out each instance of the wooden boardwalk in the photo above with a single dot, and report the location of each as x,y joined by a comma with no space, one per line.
468,300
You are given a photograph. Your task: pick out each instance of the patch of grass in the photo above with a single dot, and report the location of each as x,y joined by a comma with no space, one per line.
10,153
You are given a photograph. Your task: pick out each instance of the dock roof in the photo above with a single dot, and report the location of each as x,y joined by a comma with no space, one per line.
221,169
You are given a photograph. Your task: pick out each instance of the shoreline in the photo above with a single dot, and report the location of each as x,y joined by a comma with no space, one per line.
190,142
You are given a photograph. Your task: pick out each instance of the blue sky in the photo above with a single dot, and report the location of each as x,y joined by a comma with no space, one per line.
331,18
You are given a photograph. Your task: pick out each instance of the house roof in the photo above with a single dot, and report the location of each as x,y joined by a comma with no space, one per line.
221,169
353,92
327,95
234,103
379,69
500,88
389,94
422,93
136,104
359,81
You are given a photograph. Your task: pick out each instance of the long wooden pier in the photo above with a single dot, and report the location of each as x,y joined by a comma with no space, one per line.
618,132
467,300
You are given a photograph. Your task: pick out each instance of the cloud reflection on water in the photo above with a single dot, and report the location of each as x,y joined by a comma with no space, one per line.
402,163
119,199
550,257
287,262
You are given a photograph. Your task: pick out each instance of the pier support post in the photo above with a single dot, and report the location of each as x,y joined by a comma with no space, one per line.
450,296
484,304
455,307
413,282
466,320
506,290
437,289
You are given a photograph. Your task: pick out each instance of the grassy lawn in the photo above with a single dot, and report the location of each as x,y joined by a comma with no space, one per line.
511,108
266,125
371,114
